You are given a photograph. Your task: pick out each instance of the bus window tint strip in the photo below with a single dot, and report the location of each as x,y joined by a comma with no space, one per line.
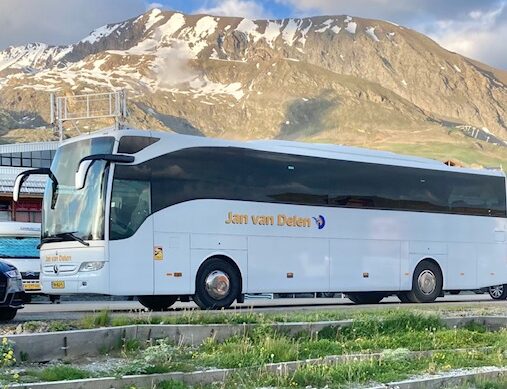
251,175
134,144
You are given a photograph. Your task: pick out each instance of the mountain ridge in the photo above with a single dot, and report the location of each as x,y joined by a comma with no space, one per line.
328,77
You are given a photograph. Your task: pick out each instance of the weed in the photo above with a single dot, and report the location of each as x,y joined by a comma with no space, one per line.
62,372
56,326
7,353
23,356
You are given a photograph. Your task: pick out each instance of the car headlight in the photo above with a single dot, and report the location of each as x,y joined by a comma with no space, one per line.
91,266
13,273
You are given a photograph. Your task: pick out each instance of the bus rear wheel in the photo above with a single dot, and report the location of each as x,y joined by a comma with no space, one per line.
498,292
427,283
157,303
365,297
217,285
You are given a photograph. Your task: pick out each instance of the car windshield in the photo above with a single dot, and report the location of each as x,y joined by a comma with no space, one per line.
67,210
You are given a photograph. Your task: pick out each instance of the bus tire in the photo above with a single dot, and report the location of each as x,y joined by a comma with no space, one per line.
157,303
427,283
365,297
217,285
403,297
7,314
498,292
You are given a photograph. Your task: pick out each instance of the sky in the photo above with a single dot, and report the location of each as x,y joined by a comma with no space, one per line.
474,28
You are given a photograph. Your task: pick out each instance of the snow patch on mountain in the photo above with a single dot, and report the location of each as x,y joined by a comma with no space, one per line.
272,32
371,32
32,56
196,37
203,86
351,26
290,31
174,24
250,29
336,29
100,33
325,26
304,33
154,17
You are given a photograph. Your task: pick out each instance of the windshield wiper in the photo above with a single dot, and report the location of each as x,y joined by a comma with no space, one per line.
61,238
73,237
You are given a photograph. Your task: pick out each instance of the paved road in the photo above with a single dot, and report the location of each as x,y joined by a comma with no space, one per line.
75,310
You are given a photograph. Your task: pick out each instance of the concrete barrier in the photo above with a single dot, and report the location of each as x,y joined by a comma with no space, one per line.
70,345
220,375
445,381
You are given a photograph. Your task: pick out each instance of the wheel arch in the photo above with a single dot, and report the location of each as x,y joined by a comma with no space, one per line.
225,257
431,260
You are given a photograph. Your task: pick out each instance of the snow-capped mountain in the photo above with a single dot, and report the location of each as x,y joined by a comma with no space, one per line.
337,78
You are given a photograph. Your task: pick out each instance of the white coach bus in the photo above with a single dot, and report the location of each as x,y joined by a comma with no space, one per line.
165,216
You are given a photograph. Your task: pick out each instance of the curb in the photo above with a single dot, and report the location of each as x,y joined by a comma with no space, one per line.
444,381
220,375
68,345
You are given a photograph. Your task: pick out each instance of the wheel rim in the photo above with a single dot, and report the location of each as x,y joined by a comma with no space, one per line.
427,282
496,291
218,285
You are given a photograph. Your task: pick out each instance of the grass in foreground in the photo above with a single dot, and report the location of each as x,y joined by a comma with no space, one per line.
393,335
390,368
106,319
402,330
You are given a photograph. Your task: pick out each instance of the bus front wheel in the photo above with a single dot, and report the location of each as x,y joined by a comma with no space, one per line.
217,285
427,283
157,303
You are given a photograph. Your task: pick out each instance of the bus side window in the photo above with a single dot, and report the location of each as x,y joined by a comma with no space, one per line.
130,206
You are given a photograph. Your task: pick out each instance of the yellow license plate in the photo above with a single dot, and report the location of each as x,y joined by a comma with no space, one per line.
31,286
57,284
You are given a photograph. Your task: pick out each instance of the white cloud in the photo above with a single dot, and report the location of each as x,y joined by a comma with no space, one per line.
474,28
479,36
245,8
60,22
154,5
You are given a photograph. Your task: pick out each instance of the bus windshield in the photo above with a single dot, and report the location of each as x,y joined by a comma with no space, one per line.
67,212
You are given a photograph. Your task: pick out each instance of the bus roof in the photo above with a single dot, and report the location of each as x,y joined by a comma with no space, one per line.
173,141
19,229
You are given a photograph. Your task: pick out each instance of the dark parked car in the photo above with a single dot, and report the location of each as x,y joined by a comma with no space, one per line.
11,291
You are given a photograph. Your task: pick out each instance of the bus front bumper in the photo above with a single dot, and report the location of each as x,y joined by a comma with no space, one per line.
92,282
65,270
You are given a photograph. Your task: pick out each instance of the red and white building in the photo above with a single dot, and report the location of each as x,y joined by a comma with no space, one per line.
15,158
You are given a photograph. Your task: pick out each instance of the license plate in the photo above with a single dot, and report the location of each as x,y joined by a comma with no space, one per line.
57,284
31,286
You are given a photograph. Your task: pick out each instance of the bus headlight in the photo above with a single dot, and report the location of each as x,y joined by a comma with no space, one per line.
91,266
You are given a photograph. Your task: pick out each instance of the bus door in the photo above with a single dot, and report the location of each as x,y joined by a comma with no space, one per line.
131,238
171,262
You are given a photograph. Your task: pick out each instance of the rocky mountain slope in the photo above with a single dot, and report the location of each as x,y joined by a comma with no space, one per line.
331,78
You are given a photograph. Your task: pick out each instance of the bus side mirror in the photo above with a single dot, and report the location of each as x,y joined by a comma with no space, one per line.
81,173
86,162
22,177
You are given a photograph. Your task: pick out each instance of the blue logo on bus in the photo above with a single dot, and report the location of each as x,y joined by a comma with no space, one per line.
321,222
